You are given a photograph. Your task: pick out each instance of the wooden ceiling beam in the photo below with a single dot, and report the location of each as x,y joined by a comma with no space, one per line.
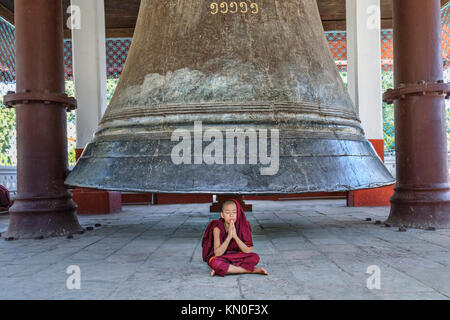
6,14
121,15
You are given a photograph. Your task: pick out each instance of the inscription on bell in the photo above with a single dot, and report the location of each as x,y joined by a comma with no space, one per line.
233,7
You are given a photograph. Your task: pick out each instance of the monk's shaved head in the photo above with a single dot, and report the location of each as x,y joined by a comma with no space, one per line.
227,203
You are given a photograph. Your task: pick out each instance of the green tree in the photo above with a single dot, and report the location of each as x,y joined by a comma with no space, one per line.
387,82
7,130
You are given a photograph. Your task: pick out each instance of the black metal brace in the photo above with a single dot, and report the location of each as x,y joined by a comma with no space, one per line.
421,88
46,97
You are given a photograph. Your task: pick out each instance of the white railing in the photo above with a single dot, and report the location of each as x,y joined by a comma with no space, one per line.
8,175
389,162
8,179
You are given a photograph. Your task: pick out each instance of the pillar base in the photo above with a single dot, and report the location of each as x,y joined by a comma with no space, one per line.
217,207
166,198
421,208
91,201
137,198
34,218
299,196
379,197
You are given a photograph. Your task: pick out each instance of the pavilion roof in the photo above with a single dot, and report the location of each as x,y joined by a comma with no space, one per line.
121,15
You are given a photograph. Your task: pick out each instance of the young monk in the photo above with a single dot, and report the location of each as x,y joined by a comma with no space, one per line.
227,243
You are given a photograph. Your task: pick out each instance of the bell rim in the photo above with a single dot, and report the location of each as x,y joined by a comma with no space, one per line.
325,166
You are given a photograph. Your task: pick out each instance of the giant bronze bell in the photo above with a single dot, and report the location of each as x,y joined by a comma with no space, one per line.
199,72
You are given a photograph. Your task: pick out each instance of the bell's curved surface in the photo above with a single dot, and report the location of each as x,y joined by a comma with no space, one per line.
200,73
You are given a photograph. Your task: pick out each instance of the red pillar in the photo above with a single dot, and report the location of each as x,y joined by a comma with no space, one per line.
422,193
44,206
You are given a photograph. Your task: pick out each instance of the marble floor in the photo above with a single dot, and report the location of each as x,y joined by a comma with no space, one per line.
317,249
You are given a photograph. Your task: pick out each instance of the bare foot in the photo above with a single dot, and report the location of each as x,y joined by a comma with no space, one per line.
261,271
213,273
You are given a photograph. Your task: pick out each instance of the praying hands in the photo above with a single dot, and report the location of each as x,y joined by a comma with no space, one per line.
232,231
232,234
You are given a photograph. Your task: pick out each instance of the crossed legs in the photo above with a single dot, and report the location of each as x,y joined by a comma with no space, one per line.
238,263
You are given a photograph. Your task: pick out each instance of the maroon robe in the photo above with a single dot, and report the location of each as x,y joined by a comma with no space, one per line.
5,201
233,255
